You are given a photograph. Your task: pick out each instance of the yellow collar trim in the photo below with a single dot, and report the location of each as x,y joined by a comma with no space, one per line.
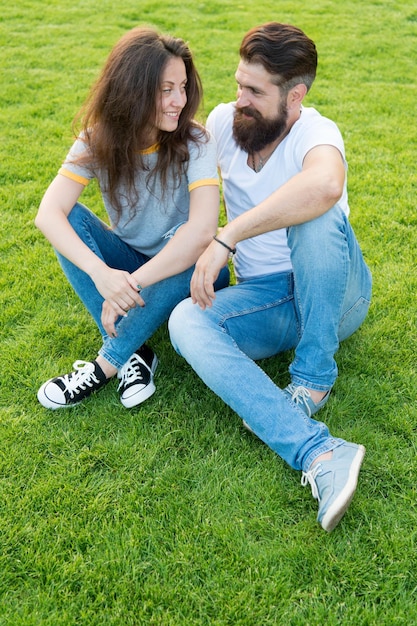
151,149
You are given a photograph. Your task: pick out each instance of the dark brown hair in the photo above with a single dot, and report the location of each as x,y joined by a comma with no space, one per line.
284,51
121,108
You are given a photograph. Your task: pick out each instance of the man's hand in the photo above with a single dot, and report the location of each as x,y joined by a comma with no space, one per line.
205,274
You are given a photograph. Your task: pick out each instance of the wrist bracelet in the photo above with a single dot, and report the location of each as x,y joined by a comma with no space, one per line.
231,250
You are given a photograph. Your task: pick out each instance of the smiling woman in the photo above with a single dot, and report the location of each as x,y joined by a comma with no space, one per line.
174,96
156,168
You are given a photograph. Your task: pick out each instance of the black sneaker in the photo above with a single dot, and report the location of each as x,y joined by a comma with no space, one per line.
136,377
70,389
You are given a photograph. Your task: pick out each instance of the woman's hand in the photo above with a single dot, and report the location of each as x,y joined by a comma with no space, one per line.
120,292
109,318
118,287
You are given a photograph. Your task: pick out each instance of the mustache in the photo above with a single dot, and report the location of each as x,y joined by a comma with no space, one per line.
252,132
240,112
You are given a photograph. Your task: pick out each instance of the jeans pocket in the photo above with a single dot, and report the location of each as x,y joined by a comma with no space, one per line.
353,318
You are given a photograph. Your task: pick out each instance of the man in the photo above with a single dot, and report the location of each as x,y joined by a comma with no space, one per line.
301,279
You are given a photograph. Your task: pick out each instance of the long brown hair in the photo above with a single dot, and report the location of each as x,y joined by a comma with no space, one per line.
121,109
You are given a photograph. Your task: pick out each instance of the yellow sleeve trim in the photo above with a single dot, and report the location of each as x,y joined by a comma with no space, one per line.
203,183
78,179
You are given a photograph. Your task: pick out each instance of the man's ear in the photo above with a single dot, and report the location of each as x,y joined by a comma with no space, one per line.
296,95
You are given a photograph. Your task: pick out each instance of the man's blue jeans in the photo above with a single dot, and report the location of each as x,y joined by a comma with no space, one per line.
324,300
160,298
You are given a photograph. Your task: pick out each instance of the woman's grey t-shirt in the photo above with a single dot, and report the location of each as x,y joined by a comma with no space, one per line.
147,224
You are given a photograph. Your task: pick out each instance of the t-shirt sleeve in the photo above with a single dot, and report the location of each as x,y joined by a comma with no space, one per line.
71,169
210,122
202,166
321,132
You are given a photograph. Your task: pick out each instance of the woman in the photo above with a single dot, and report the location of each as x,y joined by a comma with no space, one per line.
156,168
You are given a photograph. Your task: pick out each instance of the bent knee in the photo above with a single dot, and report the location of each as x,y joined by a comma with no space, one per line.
333,219
77,213
178,322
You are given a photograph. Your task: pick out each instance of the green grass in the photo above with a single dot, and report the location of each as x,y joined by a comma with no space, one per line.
172,514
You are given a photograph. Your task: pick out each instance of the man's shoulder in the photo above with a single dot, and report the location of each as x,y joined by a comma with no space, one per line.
310,117
224,108
220,123
312,129
220,115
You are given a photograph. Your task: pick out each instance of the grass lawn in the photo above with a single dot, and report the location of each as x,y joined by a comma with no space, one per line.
172,513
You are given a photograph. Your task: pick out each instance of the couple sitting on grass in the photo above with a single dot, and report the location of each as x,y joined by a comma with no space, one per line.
301,281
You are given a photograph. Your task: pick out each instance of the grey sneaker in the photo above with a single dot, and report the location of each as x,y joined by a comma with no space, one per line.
301,396
70,389
333,483
136,377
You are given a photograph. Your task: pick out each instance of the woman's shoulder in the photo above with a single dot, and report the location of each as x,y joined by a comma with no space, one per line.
198,133
80,145
201,140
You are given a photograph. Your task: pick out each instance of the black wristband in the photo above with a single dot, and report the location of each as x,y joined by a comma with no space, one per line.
231,250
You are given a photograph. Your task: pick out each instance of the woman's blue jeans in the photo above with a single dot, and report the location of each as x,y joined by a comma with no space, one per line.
160,298
313,308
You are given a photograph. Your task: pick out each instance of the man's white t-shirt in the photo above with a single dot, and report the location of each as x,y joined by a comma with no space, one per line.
243,188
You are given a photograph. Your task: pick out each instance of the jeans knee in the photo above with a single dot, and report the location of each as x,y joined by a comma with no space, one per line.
320,242
333,220
77,213
178,323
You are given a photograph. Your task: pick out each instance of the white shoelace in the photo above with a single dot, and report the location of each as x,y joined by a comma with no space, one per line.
84,376
130,371
300,395
310,477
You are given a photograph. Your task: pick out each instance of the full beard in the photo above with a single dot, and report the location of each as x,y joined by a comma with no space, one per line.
254,134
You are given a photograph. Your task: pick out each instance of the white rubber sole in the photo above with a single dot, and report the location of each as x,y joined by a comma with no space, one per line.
133,400
339,507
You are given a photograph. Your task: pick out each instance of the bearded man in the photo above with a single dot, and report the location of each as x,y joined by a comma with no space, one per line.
302,282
